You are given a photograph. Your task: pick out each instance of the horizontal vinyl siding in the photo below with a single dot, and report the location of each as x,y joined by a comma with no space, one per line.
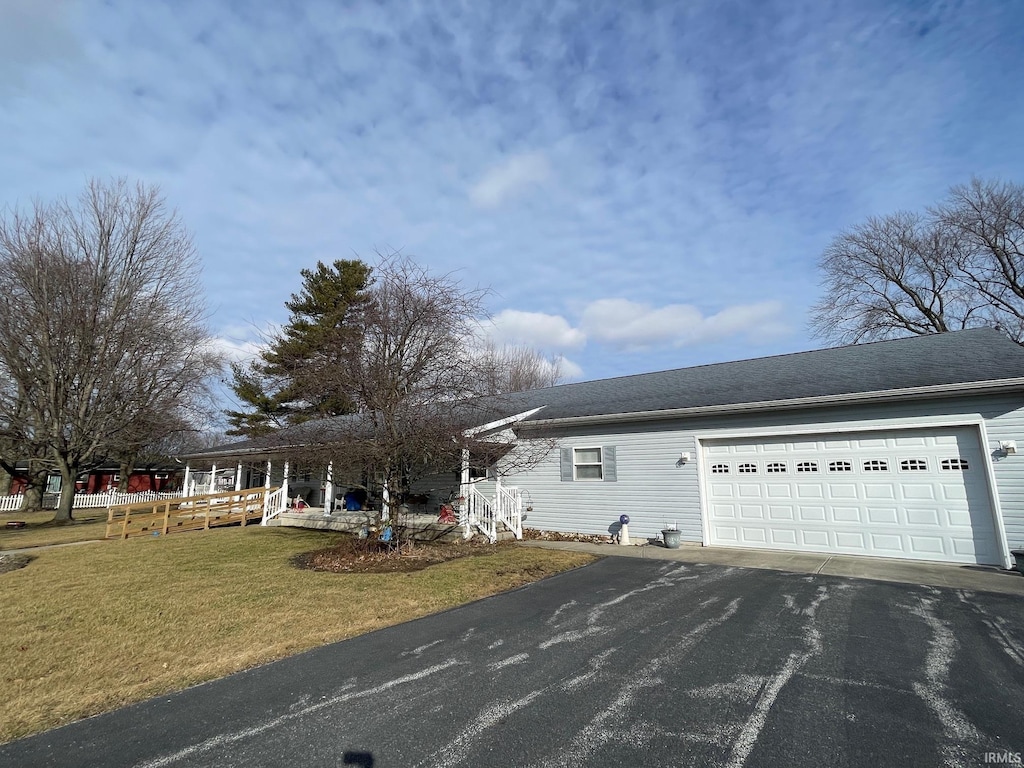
652,489
1009,472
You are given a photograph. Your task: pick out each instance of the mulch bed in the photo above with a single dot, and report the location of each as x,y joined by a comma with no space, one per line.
354,555
13,562
535,535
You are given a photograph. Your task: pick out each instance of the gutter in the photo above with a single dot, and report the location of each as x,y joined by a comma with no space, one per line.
929,392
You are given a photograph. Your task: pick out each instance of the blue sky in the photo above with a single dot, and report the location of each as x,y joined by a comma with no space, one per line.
642,185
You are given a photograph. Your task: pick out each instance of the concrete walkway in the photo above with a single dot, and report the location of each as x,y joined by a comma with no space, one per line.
977,577
44,547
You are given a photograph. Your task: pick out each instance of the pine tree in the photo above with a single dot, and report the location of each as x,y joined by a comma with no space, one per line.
295,378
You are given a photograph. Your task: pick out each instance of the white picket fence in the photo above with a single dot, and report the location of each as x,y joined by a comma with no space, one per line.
93,500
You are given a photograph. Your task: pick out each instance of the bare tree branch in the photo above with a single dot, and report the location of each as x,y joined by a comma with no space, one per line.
102,326
960,265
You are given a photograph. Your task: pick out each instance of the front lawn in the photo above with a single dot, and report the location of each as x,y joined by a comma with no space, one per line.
88,525
87,629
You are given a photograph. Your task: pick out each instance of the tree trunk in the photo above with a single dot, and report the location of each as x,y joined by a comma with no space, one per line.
127,467
32,501
5,482
35,482
67,494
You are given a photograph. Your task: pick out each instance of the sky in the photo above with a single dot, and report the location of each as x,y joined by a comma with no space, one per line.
640,185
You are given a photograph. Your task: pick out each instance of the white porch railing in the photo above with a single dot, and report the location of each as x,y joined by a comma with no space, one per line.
479,512
476,511
508,508
93,500
274,503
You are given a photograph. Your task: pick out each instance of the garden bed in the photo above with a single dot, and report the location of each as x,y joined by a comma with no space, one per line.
355,555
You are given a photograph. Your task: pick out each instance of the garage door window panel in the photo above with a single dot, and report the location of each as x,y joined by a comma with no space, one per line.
913,465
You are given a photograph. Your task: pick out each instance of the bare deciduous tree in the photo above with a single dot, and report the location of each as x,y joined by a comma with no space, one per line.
959,265
413,372
102,325
516,368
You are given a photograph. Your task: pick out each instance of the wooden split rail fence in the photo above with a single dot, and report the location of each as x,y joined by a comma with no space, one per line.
189,513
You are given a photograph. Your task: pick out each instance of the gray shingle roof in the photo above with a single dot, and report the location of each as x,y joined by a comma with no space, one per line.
958,357
982,354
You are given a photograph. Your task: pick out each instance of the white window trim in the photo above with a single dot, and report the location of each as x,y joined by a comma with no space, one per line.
577,464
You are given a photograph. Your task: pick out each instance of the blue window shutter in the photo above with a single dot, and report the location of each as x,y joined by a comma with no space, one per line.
608,458
566,467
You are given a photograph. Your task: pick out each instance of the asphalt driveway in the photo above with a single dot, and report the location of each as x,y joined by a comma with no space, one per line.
625,662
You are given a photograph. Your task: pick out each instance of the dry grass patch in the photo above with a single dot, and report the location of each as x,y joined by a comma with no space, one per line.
88,629
89,525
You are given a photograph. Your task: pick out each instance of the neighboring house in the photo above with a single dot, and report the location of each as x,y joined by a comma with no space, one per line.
160,478
901,449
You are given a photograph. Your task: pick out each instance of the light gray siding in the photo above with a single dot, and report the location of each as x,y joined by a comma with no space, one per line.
653,487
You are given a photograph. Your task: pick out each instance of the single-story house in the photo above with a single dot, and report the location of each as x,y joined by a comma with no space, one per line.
901,449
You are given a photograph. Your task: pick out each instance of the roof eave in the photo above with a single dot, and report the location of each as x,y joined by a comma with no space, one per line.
255,451
928,392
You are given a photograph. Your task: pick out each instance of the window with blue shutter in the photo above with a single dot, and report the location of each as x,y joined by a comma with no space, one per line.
610,469
588,463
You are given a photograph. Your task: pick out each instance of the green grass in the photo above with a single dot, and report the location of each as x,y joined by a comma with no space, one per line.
88,629
88,525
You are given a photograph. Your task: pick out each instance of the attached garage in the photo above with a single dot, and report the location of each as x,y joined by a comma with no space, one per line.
920,494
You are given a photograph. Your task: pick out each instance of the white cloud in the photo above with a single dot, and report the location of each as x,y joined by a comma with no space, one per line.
510,178
34,32
534,329
234,350
632,325
570,371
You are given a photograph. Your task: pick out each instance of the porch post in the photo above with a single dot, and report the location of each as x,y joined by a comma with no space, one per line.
464,478
188,476
266,480
213,479
284,486
329,489
238,476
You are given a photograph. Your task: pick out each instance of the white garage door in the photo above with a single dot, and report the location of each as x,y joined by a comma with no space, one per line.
920,494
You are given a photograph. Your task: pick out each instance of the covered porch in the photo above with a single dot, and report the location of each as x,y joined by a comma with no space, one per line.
438,507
